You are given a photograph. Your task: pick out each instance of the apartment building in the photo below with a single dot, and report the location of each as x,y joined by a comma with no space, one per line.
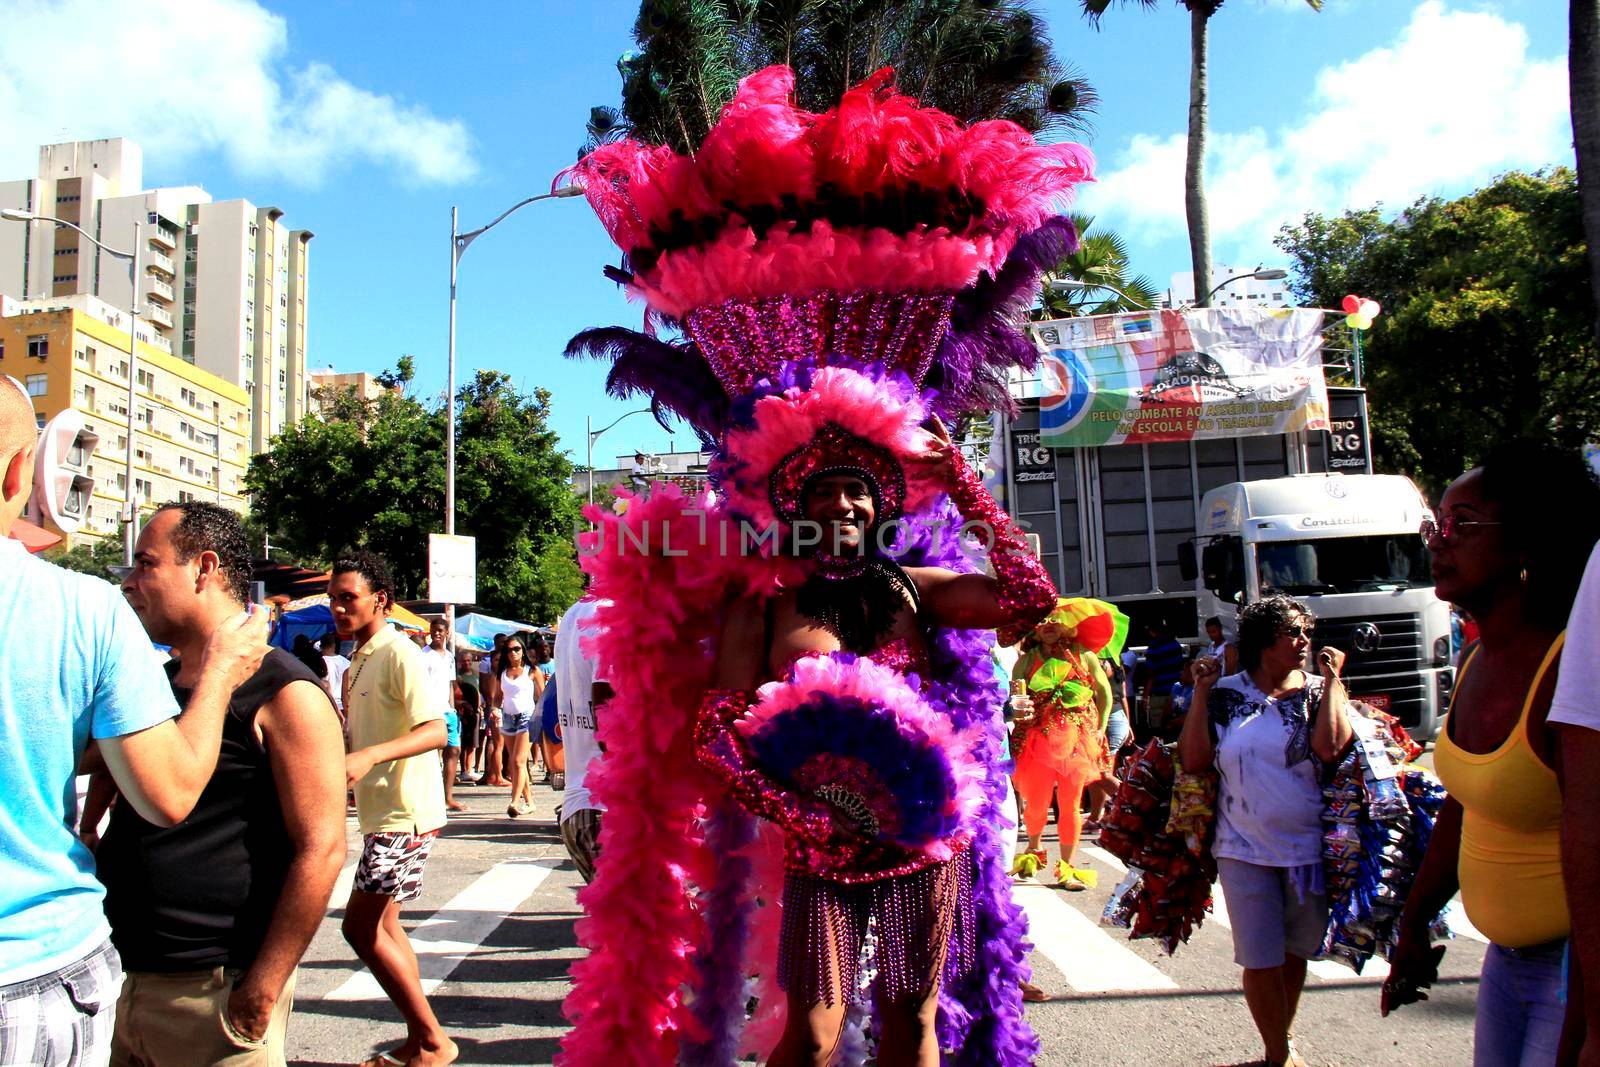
327,385
224,283
192,430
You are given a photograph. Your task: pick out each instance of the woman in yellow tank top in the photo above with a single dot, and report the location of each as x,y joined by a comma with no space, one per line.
1501,552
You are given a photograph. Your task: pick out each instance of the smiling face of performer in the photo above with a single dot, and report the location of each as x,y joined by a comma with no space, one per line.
844,507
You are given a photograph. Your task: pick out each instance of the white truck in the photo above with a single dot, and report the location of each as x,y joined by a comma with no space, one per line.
1349,546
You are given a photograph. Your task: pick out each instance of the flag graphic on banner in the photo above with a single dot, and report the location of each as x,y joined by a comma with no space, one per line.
1180,375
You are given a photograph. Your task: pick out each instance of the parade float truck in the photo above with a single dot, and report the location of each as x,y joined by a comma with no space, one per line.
1349,547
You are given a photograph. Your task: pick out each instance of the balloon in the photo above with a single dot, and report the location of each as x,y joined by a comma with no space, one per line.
1358,322
1351,304
1370,309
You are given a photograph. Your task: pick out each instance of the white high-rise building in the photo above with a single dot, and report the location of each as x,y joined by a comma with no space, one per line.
223,282
1246,292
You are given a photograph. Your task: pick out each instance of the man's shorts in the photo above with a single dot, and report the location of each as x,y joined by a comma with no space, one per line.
515,722
580,833
452,730
391,864
64,1016
1270,919
183,1018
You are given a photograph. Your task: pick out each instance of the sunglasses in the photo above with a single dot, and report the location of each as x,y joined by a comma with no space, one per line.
1297,632
1446,529
515,649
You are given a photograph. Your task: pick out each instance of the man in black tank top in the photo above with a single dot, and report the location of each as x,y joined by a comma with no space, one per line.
211,916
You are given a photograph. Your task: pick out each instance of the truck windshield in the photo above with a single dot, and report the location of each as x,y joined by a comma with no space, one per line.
1344,565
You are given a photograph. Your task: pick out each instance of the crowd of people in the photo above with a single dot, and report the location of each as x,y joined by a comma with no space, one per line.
804,835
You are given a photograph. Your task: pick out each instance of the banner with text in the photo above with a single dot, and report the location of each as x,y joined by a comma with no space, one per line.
1185,375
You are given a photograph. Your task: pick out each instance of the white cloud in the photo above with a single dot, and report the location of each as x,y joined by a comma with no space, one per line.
192,77
1452,101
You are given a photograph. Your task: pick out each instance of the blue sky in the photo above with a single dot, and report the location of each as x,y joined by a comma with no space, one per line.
367,122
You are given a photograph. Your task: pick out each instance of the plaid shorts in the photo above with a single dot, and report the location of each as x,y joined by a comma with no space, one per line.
64,1017
391,864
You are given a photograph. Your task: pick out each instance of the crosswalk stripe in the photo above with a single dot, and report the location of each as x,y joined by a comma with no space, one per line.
450,934
1100,855
1087,956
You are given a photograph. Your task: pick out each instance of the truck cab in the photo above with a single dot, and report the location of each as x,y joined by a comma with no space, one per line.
1349,547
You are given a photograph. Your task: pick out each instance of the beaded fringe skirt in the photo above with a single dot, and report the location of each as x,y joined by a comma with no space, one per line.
923,923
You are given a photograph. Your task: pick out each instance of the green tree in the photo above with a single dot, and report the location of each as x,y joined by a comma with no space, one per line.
975,59
374,477
1100,260
1194,181
1486,330
1583,77
94,556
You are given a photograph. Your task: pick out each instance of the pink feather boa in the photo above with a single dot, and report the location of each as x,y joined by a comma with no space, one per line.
785,422
627,1004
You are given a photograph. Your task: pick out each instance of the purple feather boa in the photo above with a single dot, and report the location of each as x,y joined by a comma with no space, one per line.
984,340
719,998
675,377
980,1018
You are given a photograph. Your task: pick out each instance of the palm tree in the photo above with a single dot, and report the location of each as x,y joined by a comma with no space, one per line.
1583,74
1194,191
975,59
1101,260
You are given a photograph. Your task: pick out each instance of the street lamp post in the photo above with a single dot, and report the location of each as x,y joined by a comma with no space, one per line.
589,438
1073,285
130,499
458,246
1271,274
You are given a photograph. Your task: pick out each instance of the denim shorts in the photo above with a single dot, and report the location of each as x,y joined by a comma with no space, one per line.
1116,730
65,1017
515,722
1519,1007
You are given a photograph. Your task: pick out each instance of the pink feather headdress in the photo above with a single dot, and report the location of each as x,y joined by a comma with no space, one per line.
836,419
836,238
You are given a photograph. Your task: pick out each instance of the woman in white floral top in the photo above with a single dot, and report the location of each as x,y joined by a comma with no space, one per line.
1269,730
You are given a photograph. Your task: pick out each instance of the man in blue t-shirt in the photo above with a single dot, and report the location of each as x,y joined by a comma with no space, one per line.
75,664
1163,663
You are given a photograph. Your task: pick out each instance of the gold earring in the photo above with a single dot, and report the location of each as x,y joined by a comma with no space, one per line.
1524,576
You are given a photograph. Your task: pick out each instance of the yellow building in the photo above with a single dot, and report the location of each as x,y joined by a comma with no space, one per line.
191,428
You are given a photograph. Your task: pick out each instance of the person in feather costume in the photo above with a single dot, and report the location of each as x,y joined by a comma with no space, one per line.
807,647
1061,746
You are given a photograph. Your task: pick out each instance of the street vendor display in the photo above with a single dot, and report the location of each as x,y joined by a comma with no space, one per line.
801,774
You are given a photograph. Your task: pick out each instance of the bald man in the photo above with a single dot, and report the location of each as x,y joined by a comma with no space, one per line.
75,664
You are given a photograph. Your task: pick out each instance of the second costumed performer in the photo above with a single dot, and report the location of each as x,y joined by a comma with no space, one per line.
1061,747
804,750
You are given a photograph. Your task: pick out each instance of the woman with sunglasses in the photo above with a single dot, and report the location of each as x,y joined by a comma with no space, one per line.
1270,729
521,688
1510,546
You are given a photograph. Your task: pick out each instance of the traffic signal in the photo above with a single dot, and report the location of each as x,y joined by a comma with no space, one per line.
62,487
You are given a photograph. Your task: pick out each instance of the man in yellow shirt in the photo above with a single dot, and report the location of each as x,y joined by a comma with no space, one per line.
396,732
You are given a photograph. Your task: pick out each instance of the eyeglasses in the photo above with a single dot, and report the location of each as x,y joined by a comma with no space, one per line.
1445,530
1297,632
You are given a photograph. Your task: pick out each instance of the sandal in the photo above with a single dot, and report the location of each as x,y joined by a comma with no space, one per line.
1075,879
1028,864
1032,994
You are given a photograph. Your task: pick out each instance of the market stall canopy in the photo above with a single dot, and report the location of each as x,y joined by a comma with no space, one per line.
289,580
478,630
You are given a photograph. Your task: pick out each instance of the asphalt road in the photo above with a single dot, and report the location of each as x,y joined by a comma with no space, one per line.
494,930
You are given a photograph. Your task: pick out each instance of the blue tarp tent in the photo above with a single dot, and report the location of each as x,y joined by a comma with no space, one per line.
313,621
478,631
